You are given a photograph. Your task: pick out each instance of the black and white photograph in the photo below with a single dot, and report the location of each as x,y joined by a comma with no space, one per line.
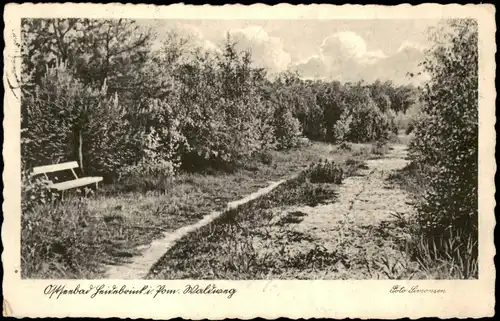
248,149
354,154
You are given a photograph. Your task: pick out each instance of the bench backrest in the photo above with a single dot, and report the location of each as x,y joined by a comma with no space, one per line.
54,168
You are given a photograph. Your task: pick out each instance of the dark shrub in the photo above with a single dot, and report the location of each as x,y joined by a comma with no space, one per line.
326,172
446,139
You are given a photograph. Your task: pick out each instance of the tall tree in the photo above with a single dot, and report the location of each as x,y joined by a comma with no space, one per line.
447,140
98,49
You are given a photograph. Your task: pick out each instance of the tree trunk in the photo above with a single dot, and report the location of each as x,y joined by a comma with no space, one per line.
80,149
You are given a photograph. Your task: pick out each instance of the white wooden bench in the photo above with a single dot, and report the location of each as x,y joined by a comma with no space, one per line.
62,186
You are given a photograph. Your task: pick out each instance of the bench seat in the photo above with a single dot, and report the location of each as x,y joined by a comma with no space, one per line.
66,185
75,183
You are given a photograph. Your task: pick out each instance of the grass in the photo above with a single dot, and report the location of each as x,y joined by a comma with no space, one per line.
76,238
418,256
449,255
411,178
257,239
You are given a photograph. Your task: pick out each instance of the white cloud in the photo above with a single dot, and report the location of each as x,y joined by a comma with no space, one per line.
348,45
344,56
267,52
411,45
196,37
313,67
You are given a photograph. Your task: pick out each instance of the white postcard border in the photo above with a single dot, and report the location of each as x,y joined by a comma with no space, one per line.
267,299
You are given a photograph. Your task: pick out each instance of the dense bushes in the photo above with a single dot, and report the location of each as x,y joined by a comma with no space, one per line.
333,112
65,120
124,107
446,137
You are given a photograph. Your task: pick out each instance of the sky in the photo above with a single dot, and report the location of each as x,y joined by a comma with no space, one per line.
344,50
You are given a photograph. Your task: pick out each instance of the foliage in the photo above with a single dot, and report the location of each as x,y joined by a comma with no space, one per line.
98,50
34,192
287,129
445,149
363,120
67,121
448,138
93,90
326,172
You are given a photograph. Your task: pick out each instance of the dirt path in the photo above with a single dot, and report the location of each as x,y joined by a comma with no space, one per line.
361,222
140,265
359,227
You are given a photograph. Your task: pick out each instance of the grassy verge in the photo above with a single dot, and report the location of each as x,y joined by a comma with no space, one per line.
257,240
77,237
254,241
450,255
411,179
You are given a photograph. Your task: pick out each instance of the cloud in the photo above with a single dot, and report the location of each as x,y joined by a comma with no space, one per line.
411,45
193,34
313,67
196,37
404,61
344,56
267,52
348,45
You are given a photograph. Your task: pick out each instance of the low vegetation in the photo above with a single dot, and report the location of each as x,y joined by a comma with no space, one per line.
78,237
255,241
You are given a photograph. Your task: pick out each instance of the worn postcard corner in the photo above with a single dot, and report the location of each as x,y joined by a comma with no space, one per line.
212,162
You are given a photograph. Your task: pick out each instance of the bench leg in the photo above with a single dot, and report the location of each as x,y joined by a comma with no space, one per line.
62,195
96,185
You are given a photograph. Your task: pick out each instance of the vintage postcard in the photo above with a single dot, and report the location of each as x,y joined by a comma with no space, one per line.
211,162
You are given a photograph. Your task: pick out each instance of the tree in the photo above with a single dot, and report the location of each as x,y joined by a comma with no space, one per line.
99,50
65,120
330,98
447,139
71,69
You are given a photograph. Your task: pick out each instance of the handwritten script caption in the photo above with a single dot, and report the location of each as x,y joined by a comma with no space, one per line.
398,289
55,291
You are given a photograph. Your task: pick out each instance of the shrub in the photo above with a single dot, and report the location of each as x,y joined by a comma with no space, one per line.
266,157
157,166
447,141
342,127
362,120
287,129
64,120
345,146
379,148
34,192
369,124
352,167
326,172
